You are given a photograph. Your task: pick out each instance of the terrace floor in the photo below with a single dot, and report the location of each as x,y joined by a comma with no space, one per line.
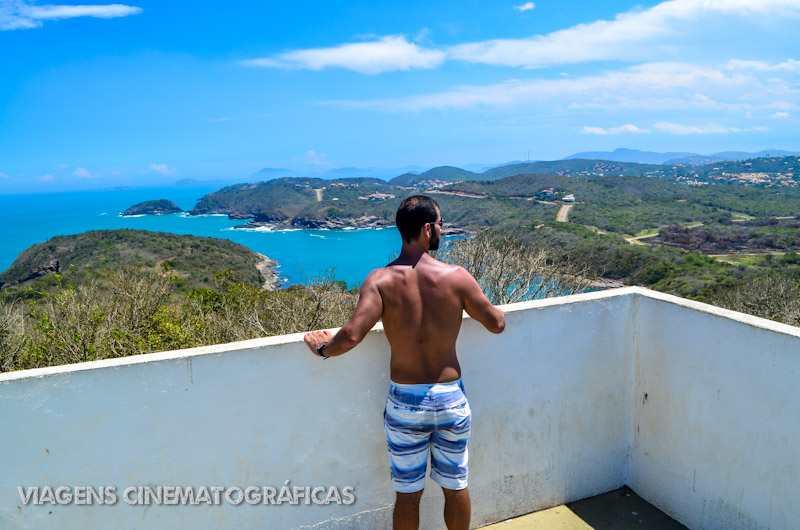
620,509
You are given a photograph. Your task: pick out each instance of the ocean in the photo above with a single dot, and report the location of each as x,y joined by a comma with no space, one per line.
27,219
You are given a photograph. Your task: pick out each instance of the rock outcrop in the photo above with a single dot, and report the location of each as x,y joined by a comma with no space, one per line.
159,207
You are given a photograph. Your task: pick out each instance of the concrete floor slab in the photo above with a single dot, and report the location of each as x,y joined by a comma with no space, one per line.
620,509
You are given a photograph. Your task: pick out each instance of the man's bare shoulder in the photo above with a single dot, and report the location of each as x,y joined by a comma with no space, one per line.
383,276
454,272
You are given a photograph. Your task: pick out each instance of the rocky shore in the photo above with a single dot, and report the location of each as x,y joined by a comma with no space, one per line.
266,267
356,223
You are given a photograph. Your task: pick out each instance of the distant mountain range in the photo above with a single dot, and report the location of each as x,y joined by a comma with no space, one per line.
614,162
269,173
689,159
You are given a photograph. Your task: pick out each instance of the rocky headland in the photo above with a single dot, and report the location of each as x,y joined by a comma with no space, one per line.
158,207
355,223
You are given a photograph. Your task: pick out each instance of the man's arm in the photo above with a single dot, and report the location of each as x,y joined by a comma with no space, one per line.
479,307
367,313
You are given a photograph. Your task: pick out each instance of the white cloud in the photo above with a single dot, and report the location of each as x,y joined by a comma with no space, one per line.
789,65
676,128
161,169
46,178
387,54
22,14
594,130
640,34
83,173
780,115
3,175
62,166
217,120
627,128
620,39
650,85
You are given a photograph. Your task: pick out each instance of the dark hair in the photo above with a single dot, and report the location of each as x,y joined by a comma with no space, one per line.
412,215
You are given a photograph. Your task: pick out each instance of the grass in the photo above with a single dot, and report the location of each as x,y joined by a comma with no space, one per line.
746,260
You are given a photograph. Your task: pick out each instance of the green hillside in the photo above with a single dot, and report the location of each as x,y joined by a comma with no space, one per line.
575,167
192,261
441,174
631,204
157,207
286,198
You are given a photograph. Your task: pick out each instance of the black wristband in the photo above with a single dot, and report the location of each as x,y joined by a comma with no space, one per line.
319,350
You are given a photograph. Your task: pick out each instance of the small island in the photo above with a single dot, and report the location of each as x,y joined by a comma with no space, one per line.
159,207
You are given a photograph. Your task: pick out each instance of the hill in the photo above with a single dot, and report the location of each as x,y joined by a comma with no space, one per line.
435,176
191,260
269,173
158,207
573,168
630,155
301,198
693,159
631,204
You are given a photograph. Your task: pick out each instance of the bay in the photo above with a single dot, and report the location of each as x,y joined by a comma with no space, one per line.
27,219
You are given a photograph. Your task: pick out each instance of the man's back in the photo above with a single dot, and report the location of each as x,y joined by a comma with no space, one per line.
420,301
422,312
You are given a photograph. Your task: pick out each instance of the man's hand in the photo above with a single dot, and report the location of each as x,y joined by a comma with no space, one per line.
315,338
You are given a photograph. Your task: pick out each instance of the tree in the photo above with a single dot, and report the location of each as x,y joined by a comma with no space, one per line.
510,270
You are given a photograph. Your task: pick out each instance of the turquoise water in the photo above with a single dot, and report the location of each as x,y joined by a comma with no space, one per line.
32,218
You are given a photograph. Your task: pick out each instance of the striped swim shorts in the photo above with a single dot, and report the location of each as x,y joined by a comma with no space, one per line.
422,419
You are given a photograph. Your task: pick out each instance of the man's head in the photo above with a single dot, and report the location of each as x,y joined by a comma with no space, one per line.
418,213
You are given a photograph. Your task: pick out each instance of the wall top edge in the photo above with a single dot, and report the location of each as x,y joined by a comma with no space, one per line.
260,343
758,322
254,344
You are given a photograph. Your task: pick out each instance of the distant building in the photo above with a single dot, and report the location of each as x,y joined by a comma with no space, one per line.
379,196
568,198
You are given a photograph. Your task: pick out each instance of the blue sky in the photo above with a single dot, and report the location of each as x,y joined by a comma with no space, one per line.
151,92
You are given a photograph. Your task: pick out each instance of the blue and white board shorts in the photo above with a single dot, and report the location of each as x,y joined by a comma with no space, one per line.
427,418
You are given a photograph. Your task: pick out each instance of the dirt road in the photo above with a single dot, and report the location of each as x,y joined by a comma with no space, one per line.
563,213
459,194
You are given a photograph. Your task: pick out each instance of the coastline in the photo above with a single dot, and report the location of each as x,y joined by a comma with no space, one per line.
357,223
268,269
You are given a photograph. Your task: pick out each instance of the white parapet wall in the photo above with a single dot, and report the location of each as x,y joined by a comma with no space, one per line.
551,424
717,416
690,405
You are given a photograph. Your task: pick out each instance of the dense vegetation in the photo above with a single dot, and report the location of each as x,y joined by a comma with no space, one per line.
631,204
691,275
76,321
191,261
286,198
756,235
775,168
157,207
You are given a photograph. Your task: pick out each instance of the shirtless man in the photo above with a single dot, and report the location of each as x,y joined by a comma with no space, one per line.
420,300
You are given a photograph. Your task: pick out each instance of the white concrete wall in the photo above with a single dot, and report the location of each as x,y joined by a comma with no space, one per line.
551,396
694,407
717,416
